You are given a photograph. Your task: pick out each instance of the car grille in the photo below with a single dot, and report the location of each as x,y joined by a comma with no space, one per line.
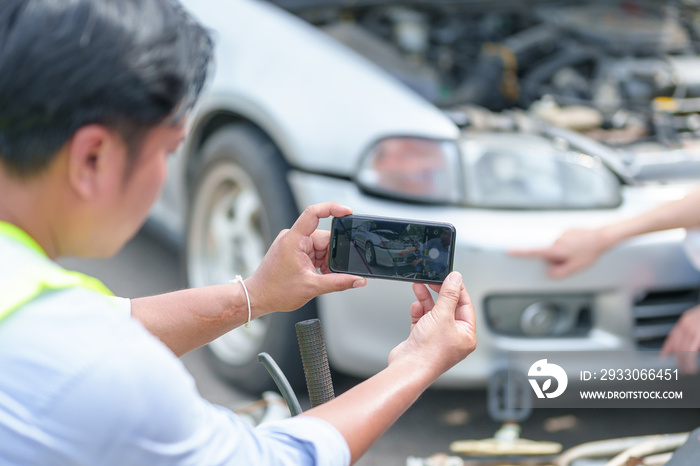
656,312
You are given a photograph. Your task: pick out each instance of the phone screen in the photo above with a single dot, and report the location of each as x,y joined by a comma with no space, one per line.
392,248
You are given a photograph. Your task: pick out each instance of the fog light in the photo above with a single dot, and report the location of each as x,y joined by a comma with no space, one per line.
539,315
539,319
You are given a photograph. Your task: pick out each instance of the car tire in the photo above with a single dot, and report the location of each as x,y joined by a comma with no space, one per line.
240,200
370,254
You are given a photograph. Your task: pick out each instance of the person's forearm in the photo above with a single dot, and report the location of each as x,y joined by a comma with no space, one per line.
365,412
682,213
187,319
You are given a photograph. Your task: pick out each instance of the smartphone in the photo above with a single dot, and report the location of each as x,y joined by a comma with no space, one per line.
392,248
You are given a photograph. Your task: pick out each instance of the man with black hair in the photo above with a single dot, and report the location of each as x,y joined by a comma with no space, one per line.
94,95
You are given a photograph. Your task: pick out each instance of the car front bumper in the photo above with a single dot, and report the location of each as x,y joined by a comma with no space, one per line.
362,326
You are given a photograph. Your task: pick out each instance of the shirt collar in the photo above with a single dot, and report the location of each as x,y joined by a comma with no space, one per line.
14,232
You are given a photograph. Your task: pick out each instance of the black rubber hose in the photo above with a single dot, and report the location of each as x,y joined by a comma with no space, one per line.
282,383
478,88
539,74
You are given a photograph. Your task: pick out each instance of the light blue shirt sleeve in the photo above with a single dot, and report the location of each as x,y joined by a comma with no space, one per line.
81,383
137,405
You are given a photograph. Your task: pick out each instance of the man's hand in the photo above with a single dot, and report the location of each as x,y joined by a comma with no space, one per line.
442,332
684,340
573,251
287,278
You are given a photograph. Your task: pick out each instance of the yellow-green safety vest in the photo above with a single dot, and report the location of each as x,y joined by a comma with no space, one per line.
36,279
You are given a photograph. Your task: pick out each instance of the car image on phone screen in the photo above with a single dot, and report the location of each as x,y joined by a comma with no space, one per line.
390,248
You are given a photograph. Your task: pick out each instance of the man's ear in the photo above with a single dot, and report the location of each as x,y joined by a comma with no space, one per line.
94,160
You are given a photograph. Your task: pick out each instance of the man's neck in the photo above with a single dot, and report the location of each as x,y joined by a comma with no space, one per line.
27,205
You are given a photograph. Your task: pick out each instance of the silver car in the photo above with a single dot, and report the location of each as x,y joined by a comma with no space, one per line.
380,246
394,108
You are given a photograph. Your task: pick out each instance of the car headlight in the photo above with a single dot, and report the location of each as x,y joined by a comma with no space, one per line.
505,170
495,170
413,169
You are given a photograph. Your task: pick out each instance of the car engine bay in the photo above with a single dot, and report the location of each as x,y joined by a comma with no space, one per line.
623,74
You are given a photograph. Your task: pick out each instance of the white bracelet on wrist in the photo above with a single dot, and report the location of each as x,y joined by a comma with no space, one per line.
239,279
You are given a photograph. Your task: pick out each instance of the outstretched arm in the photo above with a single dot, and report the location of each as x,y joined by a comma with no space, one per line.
442,334
578,249
286,279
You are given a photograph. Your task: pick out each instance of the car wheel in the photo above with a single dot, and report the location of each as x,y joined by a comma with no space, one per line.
370,255
239,202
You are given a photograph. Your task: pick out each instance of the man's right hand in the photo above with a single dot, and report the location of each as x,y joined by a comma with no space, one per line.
288,278
572,252
684,341
443,332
